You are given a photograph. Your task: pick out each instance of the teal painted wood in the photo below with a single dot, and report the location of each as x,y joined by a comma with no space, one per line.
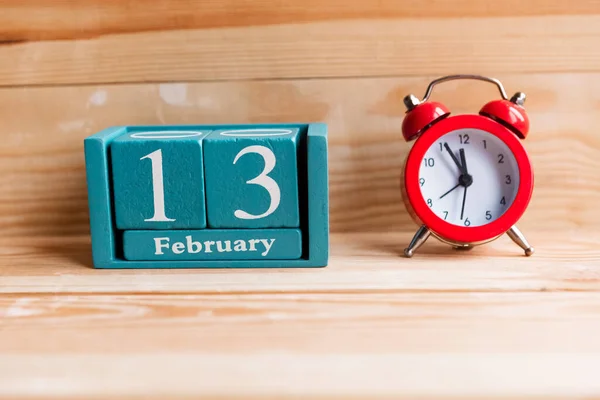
102,229
107,251
158,178
213,244
252,178
318,194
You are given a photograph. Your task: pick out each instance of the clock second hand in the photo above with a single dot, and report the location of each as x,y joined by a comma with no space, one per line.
463,161
462,211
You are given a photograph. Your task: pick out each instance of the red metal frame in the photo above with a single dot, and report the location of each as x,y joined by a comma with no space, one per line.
458,233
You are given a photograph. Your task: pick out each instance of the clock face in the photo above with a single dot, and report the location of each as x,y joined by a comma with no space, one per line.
469,177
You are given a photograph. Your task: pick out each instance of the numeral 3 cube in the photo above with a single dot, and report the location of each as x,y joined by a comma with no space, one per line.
253,178
208,196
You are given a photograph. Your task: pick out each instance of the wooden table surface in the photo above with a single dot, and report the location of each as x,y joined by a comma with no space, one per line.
488,323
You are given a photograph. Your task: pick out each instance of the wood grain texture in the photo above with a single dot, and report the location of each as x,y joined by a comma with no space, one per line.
370,325
307,376
326,323
489,323
360,263
454,345
30,20
346,48
41,153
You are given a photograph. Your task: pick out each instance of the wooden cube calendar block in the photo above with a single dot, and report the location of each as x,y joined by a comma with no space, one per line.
147,187
158,179
252,178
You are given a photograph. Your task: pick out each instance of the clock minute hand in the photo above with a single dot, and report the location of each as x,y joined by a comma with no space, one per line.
463,161
461,168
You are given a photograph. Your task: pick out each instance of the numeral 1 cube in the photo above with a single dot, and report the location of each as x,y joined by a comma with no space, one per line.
158,179
252,178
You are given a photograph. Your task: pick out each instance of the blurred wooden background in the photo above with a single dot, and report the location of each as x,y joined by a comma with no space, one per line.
69,68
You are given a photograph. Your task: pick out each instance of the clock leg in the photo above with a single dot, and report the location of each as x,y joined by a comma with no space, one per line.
515,234
417,241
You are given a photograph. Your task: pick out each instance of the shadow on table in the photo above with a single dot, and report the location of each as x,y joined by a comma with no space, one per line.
75,250
392,244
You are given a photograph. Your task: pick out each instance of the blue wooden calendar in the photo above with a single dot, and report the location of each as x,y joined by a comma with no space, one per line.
211,196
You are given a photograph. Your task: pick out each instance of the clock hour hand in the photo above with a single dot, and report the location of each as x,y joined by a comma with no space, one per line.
450,191
461,167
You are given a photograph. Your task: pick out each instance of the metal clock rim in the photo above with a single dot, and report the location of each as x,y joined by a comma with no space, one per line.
451,232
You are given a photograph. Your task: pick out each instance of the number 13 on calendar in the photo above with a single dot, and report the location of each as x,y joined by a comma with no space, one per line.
216,193
263,180
243,178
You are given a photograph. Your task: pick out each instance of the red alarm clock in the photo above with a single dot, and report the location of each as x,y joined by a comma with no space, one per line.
467,179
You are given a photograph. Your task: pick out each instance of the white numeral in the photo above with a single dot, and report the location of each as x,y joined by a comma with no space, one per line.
158,189
262,180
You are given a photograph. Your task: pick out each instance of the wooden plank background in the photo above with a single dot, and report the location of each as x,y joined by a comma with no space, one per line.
482,324
43,180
